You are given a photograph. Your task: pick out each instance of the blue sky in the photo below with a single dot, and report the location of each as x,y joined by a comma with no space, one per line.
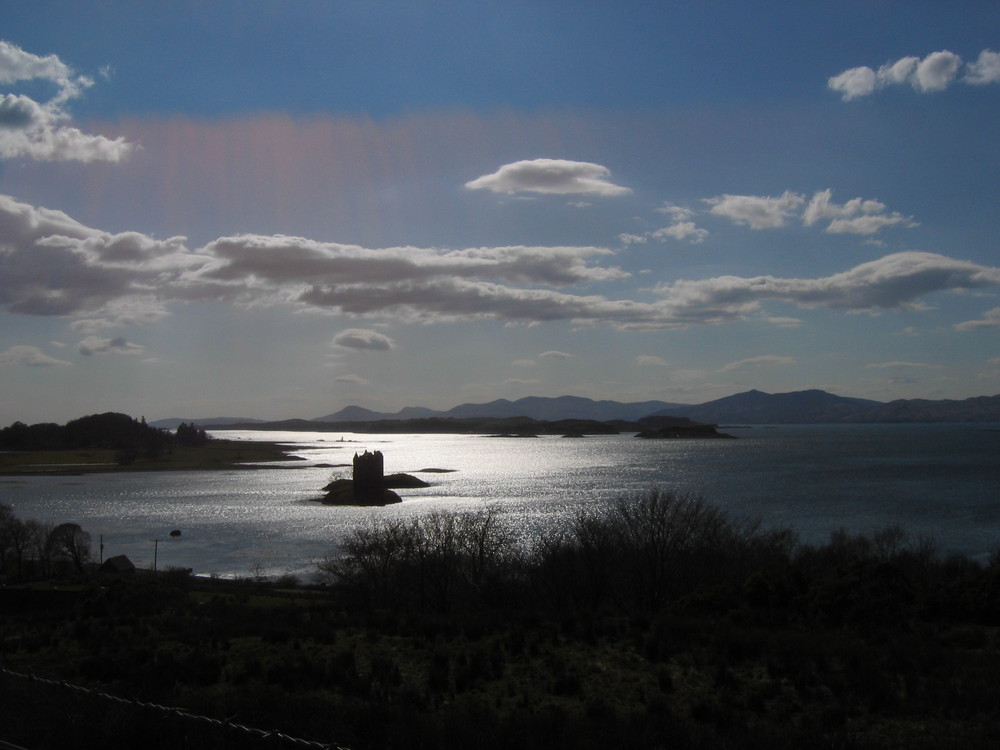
279,209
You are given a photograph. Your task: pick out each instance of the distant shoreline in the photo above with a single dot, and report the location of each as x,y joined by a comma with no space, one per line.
216,454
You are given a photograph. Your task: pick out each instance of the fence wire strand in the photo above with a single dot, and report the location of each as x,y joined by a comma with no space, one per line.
180,713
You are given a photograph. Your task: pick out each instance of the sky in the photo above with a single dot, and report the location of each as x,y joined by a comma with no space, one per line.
276,210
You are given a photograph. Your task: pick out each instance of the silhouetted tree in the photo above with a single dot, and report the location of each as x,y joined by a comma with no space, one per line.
68,541
191,435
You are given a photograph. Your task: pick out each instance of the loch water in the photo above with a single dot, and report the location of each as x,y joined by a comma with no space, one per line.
936,480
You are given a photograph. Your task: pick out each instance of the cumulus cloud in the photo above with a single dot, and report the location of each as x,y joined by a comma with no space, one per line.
118,345
854,82
626,238
549,176
984,70
765,360
862,216
856,216
675,212
29,356
38,130
556,355
683,230
361,338
991,319
936,72
754,211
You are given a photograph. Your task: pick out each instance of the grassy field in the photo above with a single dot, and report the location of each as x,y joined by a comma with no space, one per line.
216,454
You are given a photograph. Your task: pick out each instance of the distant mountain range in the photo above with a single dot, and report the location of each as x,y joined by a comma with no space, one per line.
751,407
535,407
757,407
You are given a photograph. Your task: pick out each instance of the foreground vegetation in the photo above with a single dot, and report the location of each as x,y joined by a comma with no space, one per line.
653,621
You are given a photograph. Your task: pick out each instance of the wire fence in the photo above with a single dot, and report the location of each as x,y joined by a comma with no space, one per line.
176,713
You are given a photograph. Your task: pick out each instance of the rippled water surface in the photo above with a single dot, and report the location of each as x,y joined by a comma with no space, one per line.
939,480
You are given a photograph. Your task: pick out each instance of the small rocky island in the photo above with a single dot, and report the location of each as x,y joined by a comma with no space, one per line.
369,485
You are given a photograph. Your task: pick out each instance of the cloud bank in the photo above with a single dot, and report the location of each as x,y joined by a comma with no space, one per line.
52,265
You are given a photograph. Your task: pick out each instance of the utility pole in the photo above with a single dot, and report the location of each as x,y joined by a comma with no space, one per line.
156,545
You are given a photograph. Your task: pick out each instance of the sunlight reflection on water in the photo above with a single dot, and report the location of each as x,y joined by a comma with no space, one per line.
937,480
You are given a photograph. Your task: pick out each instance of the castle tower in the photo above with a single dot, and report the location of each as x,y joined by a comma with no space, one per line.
369,480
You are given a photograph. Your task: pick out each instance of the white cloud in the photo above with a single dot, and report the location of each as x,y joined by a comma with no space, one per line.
898,72
553,354
854,82
856,216
675,212
55,266
649,360
118,345
29,356
991,319
895,364
984,70
360,338
38,130
757,212
18,65
632,239
353,379
868,224
783,322
296,260
549,176
893,282
684,230
822,207
936,72
765,360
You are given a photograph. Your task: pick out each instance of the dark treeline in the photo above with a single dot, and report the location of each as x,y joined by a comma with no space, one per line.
656,621
119,432
655,552
31,549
